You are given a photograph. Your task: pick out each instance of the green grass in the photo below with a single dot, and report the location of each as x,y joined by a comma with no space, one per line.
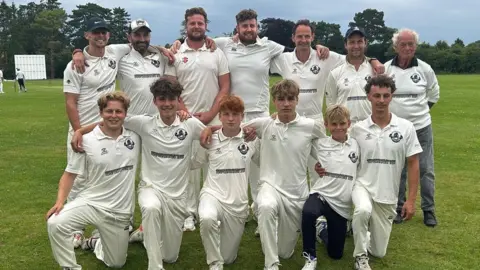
33,130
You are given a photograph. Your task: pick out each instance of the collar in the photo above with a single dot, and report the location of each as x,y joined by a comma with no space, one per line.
393,121
184,47
98,133
258,42
348,141
413,63
297,117
295,59
222,137
91,57
365,62
151,52
160,123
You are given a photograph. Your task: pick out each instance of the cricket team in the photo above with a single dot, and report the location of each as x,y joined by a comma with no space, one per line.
203,105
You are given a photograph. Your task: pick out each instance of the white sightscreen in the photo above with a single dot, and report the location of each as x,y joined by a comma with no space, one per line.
33,66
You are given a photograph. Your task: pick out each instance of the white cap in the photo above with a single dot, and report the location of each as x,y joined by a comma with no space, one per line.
139,23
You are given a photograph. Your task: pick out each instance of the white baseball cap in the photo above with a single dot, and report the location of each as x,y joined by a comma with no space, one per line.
135,25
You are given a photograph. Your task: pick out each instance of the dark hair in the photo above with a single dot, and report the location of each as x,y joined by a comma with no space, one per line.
166,87
303,22
381,80
195,11
246,14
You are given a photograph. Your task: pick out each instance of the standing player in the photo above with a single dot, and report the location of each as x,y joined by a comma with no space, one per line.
206,79
21,80
1,82
345,84
109,163
331,195
223,207
385,141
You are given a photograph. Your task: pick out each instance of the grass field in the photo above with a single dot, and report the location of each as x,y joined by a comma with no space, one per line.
33,130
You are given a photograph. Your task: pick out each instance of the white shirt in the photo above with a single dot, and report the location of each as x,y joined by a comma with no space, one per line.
383,154
98,79
1,75
340,161
346,86
229,160
416,86
109,167
198,72
310,76
166,151
284,152
249,66
136,73
20,75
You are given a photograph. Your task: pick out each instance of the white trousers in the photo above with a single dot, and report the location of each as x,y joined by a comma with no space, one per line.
162,221
220,241
279,223
371,224
112,246
194,183
1,87
79,183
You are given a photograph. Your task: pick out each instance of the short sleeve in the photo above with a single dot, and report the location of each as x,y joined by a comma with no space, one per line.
171,70
200,159
221,42
259,124
276,65
331,90
222,64
318,131
72,81
255,145
413,146
120,50
135,123
195,126
274,48
76,163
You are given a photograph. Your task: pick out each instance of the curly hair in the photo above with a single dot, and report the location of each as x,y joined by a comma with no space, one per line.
166,87
381,80
246,14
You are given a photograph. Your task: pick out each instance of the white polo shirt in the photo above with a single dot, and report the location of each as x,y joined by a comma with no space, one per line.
340,161
416,86
249,67
383,154
228,169
135,74
20,75
346,86
284,152
166,151
109,167
98,79
198,72
1,76
310,76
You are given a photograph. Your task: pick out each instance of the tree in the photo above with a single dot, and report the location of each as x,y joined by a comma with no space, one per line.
118,23
328,34
442,45
371,20
278,30
458,43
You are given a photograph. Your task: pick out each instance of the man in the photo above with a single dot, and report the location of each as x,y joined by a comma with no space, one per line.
345,84
331,195
21,80
285,146
417,92
109,163
82,90
386,143
223,207
206,79
1,82
166,160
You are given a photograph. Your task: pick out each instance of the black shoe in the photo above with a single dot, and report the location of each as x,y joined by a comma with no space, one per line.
398,219
429,218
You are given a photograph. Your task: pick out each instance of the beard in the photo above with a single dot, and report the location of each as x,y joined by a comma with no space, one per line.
195,38
248,40
141,46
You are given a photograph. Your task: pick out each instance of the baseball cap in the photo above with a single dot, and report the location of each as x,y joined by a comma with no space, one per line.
354,30
135,25
96,23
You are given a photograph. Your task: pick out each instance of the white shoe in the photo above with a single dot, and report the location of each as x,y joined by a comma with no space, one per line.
310,264
257,232
189,224
273,267
216,266
320,225
89,243
361,263
77,239
136,236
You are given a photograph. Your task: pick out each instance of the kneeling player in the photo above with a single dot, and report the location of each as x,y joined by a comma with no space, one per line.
109,163
223,207
331,196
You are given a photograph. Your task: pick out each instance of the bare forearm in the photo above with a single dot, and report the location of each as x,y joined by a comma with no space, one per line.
216,104
73,117
64,187
88,128
413,179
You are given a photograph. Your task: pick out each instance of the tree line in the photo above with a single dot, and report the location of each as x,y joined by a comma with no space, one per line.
46,28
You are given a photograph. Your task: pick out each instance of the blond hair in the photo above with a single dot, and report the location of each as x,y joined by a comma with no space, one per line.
113,96
336,113
285,88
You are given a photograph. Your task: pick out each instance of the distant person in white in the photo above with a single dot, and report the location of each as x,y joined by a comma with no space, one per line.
206,79
346,83
109,163
387,142
20,76
1,82
417,92
223,207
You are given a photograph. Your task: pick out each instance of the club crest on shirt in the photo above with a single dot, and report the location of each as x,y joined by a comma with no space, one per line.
68,81
353,156
185,59
104,151
181,134
135,64
415,78
218,151
368,77
368,137
156,63
395,136
315,69
129,143
273,138
294,71
96,72
243,148
112,63
345,81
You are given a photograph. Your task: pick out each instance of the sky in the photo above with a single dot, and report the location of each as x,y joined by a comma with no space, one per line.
433,19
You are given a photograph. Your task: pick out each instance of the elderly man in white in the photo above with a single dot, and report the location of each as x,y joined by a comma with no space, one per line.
417,92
